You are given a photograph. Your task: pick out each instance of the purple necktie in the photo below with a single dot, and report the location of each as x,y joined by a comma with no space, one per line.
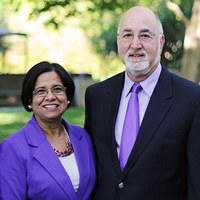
131,125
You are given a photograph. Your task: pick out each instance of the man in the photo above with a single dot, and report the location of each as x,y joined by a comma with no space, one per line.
164,163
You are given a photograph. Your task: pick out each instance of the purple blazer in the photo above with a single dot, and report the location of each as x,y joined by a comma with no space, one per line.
30,169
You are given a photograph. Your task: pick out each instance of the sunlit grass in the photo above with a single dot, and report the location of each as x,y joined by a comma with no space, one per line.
12,121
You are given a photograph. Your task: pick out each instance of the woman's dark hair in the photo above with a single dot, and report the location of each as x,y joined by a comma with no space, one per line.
32,75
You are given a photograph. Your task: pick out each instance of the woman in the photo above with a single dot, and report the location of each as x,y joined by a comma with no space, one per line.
48,158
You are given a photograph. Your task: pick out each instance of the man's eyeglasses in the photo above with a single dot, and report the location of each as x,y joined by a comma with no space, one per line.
143,37
56,90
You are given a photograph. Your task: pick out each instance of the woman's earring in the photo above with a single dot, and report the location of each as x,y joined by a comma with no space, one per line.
29,106
68,101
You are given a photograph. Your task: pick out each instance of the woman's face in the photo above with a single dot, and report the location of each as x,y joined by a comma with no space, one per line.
49,98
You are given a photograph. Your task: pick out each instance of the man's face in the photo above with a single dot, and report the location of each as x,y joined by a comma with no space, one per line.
140,41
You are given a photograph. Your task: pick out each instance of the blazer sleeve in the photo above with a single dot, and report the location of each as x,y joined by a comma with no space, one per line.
193,152
12,172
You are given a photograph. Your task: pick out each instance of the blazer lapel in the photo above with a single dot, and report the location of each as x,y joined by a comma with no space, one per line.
46,156
82,153
157,109
111,105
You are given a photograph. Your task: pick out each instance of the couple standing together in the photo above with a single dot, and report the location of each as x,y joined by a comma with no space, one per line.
52,159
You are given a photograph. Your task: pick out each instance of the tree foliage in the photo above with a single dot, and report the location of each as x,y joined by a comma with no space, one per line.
99,19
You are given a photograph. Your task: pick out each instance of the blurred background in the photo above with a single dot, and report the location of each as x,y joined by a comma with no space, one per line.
81,36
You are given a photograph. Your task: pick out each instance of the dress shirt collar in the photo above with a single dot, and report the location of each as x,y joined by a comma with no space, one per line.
148,84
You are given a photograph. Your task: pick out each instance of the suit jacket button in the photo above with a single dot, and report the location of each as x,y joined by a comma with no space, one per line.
121,185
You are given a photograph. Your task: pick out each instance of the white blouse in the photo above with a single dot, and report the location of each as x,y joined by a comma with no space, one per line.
70,165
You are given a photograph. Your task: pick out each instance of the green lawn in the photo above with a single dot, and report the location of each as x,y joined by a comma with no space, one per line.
12,121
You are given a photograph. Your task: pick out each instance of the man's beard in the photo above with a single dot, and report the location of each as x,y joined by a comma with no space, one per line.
137,67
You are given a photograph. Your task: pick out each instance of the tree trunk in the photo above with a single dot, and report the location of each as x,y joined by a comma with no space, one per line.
191,55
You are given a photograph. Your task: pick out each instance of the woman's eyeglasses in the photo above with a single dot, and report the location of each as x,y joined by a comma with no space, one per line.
42,92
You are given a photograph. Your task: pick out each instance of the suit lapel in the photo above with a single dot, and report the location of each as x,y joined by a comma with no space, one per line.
46,156
49,160
82,153
111,105
157,109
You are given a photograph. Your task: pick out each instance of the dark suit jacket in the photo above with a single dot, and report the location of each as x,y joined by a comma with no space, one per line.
30,169
165,161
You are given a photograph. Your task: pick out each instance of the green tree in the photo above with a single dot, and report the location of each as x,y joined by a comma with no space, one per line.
99,20
191,21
